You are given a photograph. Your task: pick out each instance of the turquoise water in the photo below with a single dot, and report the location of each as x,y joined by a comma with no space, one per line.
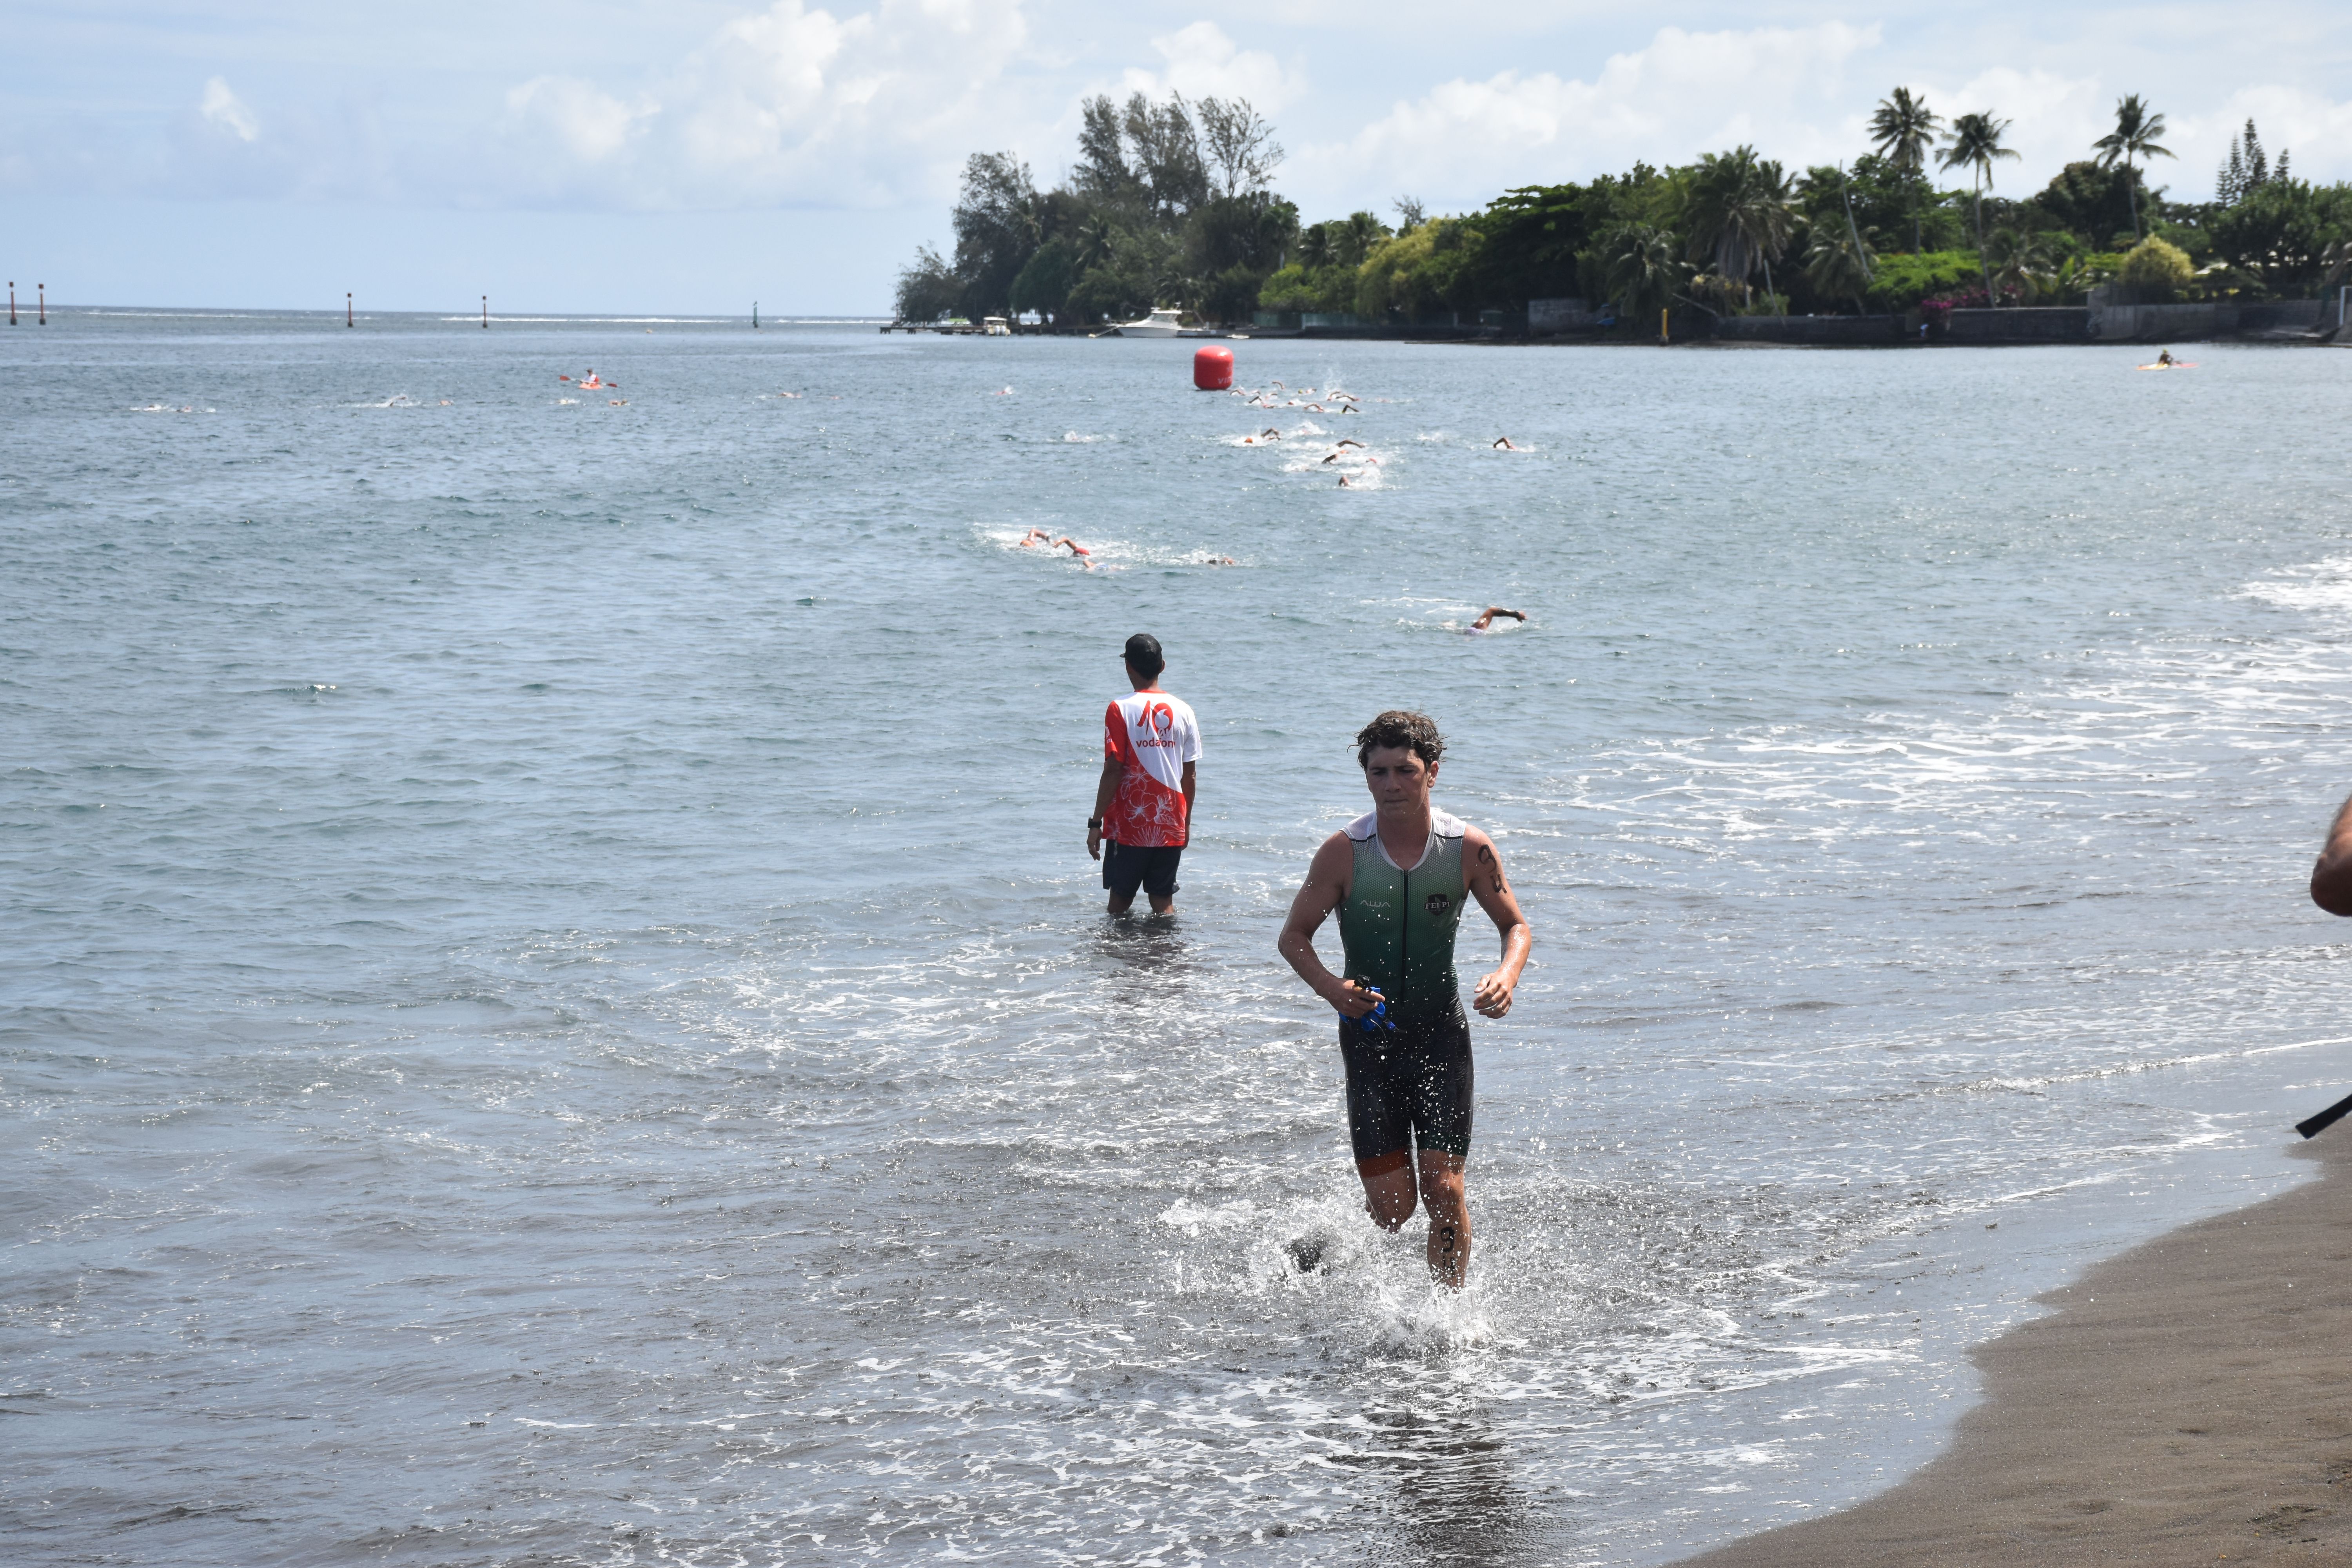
556,1010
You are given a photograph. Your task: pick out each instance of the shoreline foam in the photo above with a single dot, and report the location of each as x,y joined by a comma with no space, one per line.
2189,1401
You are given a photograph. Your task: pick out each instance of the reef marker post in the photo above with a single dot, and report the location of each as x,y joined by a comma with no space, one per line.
12,301
1664,336
486,312
44,297
755,315
347,307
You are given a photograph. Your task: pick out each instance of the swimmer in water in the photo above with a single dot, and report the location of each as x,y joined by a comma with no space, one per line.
1344,484
1037,536
1486,622
1503,444
1346,442
1217,561
1078,551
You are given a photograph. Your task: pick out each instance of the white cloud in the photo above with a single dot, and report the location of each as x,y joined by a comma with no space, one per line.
789,103
2052,121
588,124
1200,61
1783,89
222,108
2317,131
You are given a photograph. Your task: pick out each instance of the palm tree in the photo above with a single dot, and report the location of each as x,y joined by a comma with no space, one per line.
1740,214
1315,246
1641,269
2024,263
2135,136
1840,264
1096,242
1904,131
1974,144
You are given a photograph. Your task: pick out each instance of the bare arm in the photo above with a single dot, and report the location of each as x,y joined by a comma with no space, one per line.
1327,884
1191,794
1493,891
2331,878
1106,791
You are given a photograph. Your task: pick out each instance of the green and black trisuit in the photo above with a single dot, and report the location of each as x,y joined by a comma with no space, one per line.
1410,1085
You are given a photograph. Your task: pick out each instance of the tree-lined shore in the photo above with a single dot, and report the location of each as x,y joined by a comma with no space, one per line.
1171,203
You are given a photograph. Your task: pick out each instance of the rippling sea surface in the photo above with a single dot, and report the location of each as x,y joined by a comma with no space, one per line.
554,1009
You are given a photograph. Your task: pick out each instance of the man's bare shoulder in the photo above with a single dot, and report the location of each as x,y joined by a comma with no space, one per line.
1478,851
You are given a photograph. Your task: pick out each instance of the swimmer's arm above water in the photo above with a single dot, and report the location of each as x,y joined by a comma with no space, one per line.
2331,878
1484,869
1327,884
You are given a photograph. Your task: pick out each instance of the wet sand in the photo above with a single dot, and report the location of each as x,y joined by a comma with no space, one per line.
2190,1401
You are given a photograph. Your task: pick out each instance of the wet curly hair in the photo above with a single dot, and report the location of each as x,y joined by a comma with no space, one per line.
1401,727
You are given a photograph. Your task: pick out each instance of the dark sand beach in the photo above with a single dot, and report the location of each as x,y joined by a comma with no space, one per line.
2190,1401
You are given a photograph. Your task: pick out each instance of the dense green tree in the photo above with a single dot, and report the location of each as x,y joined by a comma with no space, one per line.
1239,241
2247,168
2091,201
1883,197
2135,136
927,287
1046,283
997,230
1529,240
2280,234
1237,147
2157,266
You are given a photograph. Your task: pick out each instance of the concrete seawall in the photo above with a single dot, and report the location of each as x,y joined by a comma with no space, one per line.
1840,332
2218,318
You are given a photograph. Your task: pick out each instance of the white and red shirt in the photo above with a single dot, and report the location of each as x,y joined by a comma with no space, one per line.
1152,735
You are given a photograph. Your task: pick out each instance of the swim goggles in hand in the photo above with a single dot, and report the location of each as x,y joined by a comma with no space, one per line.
1378,1018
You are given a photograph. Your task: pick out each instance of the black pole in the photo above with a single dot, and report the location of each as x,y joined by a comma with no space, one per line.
486,312
2312,1126
45,302
347,307
12,302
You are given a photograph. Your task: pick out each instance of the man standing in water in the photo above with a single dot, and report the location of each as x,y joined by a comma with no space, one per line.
1143,802
1397,876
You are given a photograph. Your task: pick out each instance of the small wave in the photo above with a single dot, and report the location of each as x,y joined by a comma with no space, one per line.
2318,585
1076,439
1193,1219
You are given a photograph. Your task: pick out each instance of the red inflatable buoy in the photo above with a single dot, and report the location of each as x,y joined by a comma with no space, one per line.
1213,369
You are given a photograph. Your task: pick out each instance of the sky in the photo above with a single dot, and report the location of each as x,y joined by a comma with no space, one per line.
695,155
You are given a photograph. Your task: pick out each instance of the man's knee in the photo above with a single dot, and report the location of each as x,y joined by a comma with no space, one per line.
1389,1196
1443,1190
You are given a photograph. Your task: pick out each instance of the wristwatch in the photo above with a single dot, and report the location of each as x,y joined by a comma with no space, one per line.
1094,822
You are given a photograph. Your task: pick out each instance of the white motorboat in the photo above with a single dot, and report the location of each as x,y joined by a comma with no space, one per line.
1159,324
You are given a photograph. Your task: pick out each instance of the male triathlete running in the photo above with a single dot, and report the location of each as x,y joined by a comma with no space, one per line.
1397,876
1143,802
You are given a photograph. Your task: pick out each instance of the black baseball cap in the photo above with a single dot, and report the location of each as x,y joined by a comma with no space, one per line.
1143,652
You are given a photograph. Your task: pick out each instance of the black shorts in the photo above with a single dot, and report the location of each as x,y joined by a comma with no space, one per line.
1151,866
1410,1087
